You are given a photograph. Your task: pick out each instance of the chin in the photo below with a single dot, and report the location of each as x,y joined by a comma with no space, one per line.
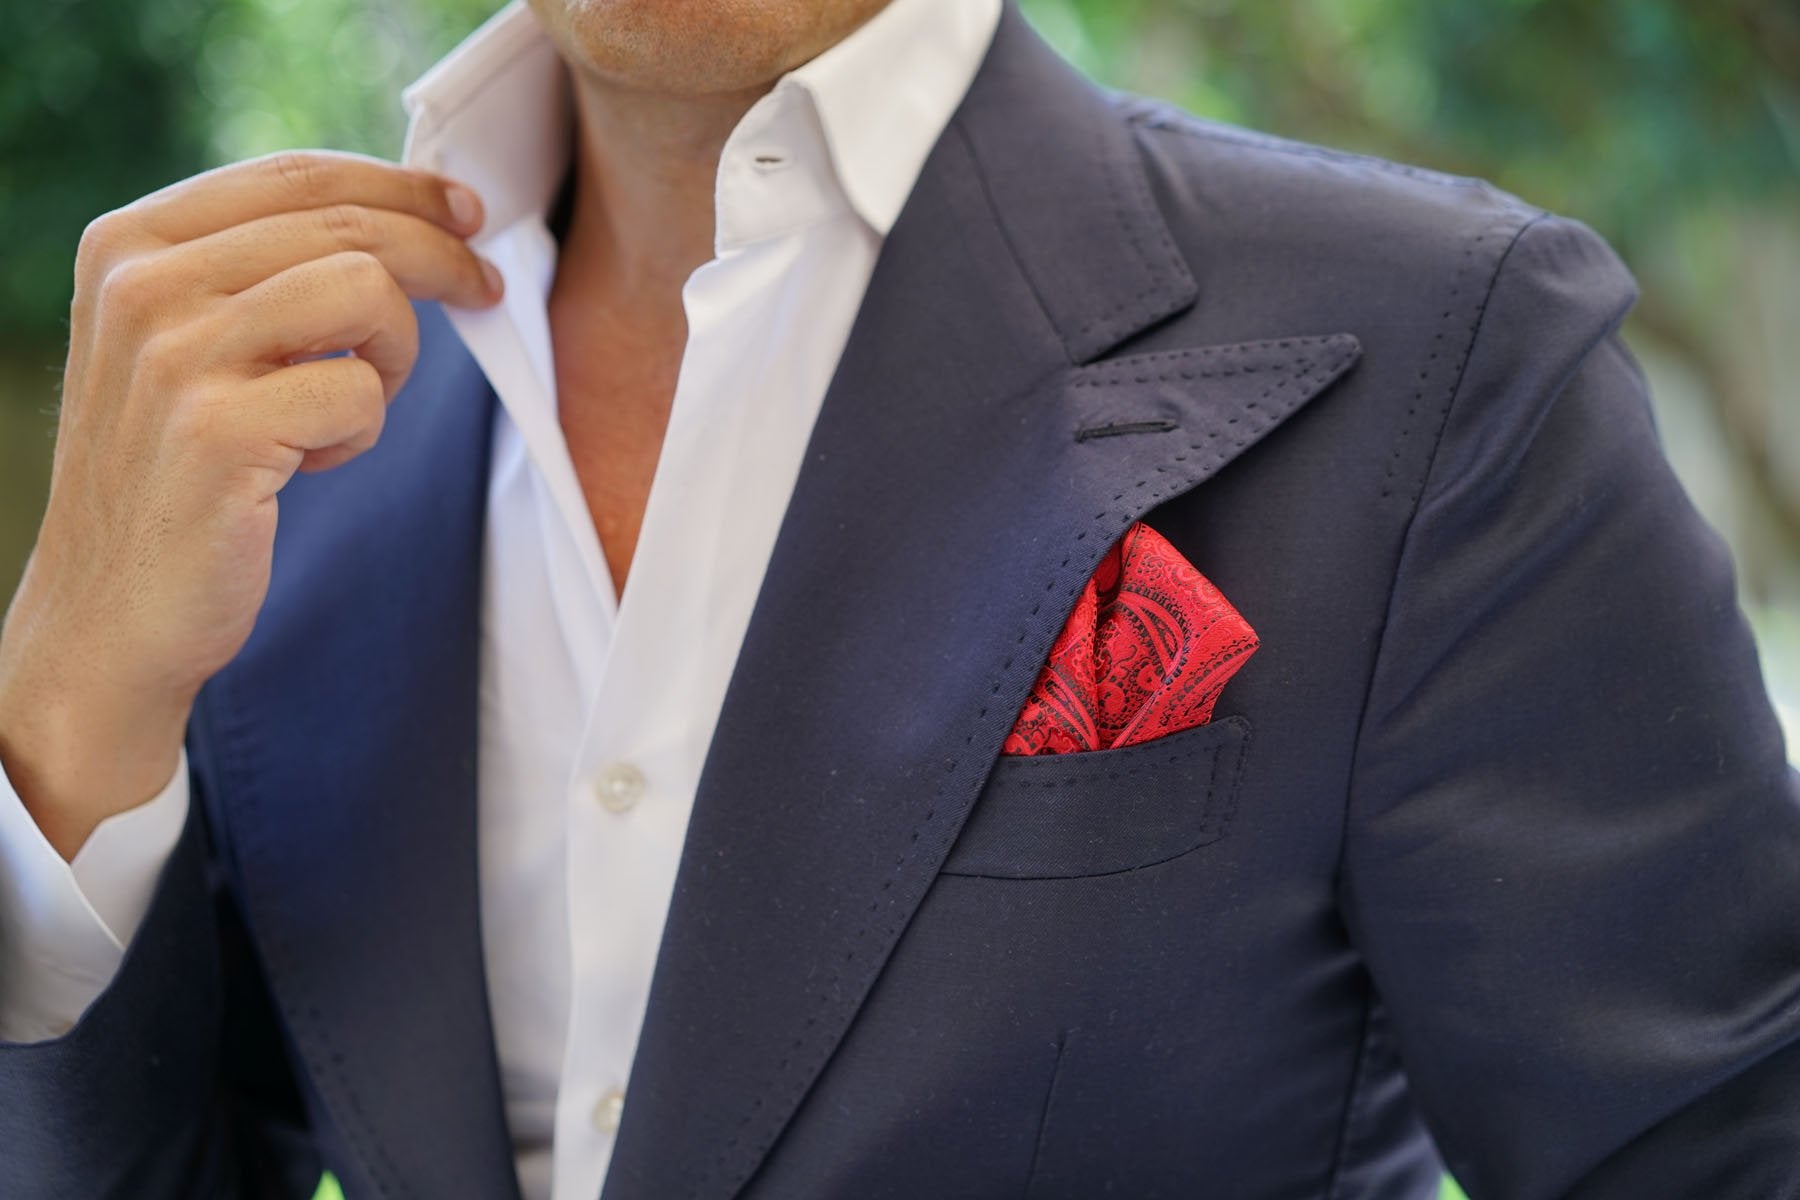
696,47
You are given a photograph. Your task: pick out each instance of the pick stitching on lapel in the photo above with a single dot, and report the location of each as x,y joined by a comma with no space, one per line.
344,735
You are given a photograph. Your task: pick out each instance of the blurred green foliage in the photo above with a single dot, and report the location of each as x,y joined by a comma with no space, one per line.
1612,110
102,101
92,113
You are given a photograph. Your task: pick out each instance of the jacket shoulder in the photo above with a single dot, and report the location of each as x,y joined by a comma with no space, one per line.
1333,205
1287,235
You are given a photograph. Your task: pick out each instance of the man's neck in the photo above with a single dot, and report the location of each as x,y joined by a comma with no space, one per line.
642,216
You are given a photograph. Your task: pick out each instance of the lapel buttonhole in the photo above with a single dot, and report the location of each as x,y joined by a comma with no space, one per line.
1121,428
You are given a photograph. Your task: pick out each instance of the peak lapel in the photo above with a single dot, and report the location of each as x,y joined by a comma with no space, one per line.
342,742
964,478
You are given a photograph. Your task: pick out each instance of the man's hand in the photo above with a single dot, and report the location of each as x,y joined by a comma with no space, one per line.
193,393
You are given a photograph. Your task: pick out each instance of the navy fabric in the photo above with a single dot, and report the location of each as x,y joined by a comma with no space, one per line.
1038,816
1492,849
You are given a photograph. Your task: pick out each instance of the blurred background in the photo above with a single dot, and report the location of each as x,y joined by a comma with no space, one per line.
1671,126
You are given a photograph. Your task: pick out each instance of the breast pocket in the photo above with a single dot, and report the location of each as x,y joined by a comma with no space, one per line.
1062,816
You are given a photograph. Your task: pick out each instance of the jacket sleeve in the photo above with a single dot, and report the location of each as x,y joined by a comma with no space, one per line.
1572,858
173,1085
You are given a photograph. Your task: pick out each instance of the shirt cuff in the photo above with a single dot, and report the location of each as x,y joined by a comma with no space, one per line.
64,926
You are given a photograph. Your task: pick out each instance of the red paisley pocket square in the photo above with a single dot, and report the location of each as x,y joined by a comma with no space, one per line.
1146,652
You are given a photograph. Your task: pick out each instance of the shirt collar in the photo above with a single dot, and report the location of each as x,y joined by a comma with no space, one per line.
885,93
495,113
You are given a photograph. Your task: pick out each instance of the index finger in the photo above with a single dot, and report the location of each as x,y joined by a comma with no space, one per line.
292,180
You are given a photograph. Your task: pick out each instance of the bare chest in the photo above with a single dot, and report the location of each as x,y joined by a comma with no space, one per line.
615,386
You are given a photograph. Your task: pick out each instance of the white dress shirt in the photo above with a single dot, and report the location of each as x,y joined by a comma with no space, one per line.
595,711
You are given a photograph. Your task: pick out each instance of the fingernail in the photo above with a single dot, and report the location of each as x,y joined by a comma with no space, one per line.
491,273
465,206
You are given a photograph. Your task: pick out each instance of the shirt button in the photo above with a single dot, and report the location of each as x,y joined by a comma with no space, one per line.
608,1111
619,786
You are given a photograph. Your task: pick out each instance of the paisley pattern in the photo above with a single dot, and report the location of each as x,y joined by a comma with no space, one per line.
1146,652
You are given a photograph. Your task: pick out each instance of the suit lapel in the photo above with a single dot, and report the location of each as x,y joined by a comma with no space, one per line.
969,467
971,463
342,741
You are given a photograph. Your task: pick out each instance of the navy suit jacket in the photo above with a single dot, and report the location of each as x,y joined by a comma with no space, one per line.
1493,838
